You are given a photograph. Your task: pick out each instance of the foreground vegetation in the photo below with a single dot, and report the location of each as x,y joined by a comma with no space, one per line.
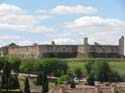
66,69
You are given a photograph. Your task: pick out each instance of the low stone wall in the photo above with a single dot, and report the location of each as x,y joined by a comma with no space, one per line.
98,88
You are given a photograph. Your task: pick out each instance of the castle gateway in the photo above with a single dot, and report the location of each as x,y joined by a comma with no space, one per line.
66,51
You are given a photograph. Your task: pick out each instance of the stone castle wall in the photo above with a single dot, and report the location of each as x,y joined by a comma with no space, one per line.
66,51
40,51
23,51
105,51
57,51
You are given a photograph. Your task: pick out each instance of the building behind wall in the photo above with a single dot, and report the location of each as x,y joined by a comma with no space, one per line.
66,51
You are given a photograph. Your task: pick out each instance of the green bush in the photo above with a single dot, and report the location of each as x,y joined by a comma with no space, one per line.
15,63
98,70
27,66
64,79
55,66
78,73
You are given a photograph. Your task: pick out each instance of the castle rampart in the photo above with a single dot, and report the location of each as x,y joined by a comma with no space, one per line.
66,51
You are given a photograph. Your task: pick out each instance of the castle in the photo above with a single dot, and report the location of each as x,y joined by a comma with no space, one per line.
66,51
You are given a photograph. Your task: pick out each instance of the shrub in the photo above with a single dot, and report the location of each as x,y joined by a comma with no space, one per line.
99,70
64,79
78,73
27,67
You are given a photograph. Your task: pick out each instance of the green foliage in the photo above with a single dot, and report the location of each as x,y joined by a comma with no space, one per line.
26,86
12,44
6,77
9,81
15,63
91,79
2,62
39,78
64,79
27,67
14,82
101,71
88,66
72,84
45,88
45,83
55,67
98,71
78,73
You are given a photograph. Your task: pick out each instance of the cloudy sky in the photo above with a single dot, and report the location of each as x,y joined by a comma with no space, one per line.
64,21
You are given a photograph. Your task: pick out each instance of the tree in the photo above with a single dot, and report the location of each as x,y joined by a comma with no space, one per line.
78,73
15,63
49,66
45,83
39,78
101,71
27,67
88,66
91,79
13,44
2,62
26,86
9,81
56,67
98,71
5,84
14,83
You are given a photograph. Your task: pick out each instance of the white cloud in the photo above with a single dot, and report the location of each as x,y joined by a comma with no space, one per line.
24,42
95,21
18,19
43,29
64,41
26,28
10,9
104,30
62,9
22,19
9,37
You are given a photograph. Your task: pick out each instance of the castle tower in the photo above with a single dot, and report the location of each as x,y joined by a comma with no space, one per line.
37,50
53,43
121,46
85,41
86,47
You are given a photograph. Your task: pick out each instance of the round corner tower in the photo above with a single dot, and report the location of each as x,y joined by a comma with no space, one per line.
121,46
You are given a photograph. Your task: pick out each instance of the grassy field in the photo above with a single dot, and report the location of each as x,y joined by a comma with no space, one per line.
117,65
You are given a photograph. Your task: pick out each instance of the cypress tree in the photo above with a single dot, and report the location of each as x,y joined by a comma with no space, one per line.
45,87
9,81
15,82
26,86
39,78
45,82
5,84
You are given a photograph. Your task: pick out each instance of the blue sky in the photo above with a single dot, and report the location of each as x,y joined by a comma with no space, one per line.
65,21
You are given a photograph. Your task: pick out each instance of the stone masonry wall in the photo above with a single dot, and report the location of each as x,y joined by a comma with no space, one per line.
23,52
62,51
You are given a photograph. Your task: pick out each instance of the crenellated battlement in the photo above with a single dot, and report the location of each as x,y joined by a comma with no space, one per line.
66,51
